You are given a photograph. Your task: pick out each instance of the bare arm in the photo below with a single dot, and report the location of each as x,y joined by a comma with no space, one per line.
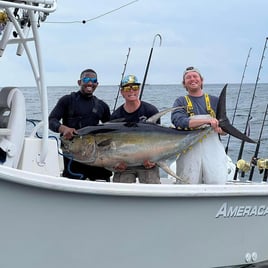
213,122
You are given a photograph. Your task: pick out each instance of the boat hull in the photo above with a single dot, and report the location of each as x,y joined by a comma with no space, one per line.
56,222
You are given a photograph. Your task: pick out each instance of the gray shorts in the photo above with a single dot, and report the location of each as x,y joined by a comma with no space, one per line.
149,176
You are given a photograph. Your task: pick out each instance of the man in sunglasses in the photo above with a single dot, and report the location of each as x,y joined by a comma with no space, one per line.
134,110
207,161
77,110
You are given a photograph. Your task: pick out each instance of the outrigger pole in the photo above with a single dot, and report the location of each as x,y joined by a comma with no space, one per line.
249,113
148,64
254,158
123,73
238,96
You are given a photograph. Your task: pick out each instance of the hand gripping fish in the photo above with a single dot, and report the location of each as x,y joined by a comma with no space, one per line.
108,144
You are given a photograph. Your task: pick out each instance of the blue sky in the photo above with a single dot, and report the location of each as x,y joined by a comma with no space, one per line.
214,36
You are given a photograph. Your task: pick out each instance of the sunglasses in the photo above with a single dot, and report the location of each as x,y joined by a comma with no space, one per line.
128,88
89,79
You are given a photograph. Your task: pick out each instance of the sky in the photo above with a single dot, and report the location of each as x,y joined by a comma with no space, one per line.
214,36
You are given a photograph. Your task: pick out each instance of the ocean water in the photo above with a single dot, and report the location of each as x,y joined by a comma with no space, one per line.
238,101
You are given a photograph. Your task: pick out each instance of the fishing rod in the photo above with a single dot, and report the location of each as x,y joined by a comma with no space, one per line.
148,63
237,99
265,175
255,157
249,113
123,73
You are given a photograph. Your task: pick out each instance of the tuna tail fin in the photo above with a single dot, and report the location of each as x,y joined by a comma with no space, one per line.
224,121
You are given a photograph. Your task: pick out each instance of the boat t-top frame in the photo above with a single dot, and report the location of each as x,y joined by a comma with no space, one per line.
19,23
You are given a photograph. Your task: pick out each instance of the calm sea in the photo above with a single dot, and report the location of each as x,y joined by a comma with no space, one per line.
163,96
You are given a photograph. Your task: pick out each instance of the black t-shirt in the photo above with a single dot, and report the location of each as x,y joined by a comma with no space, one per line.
145,111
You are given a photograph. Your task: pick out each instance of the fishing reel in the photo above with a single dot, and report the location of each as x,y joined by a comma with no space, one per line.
260,163
17,19
3,20
244,166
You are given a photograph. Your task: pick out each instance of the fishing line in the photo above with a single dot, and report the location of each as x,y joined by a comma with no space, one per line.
71,159
94,18
237,99
148,63
249,113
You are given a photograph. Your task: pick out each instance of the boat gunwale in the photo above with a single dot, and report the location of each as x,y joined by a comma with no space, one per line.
122,189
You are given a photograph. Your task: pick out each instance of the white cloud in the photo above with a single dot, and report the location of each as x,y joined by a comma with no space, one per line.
215,36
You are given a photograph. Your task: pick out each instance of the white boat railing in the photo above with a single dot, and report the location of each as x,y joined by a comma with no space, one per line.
47,6
23,18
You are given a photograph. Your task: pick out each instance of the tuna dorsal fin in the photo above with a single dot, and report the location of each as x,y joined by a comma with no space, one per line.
224,121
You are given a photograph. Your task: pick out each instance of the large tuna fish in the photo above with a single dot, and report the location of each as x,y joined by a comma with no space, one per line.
108,144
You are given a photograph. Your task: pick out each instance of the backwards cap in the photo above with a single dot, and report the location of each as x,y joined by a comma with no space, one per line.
191,69
129,79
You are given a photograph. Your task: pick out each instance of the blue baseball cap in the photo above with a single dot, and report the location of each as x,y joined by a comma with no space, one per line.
130,79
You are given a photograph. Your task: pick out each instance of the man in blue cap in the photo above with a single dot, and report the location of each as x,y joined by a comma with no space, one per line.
134,110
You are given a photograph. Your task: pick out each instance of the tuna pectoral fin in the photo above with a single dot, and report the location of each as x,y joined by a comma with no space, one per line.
224,121
166,168
104,143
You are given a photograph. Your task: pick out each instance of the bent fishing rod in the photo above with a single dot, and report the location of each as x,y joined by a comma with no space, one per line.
237,99
148,64
255,157
123,73
251,104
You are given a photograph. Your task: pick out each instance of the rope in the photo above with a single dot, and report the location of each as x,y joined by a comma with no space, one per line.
94,18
